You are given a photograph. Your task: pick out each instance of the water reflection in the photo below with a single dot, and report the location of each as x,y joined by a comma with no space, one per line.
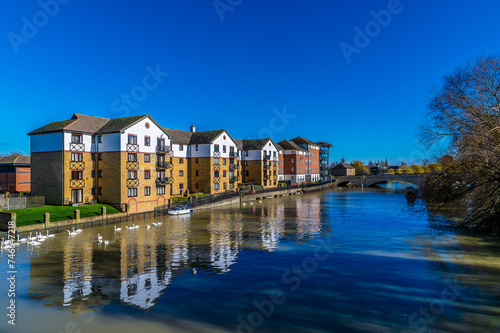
139,265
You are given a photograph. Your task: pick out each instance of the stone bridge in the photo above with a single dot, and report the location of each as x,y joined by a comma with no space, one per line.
417,179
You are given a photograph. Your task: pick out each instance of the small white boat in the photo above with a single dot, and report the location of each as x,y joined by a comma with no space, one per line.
180,210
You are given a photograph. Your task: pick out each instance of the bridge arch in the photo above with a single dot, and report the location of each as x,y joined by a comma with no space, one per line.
375,183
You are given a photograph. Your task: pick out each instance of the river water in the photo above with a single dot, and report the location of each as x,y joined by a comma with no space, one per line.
333,261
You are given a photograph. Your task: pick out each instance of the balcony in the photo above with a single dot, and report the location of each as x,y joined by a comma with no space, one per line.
162,150
77,183
74,146
265,167
216,153
132,182
267,157
164,181
233,154
132,147
234,178
133,165
164,165
76,165
234,167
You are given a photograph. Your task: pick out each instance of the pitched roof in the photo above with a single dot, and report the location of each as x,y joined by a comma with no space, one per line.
343,165
178,136
254,144
204,137
87,124
324,144
290,145
118,124
279,147
300,140
54,126
15,159
239,144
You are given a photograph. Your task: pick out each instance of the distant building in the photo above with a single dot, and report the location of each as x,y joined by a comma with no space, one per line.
260,162
343,169
324,159
301,160
15,174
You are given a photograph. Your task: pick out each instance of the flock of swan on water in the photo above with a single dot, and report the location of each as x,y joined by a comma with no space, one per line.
39,237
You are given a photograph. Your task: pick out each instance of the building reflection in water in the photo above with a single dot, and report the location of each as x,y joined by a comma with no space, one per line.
139,265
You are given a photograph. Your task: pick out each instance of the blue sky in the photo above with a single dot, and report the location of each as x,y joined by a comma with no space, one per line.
267,68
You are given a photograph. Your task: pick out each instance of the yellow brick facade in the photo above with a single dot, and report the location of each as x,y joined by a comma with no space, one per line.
203,177
179,174
254,172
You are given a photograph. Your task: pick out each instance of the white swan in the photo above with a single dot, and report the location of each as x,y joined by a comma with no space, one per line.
148,226
106,242
50,236
6,246
117,229
99,238
77,230
72,233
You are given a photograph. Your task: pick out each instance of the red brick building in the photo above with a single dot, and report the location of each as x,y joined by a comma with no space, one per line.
15,174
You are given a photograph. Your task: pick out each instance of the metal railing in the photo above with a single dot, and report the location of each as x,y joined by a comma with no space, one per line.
164,181
74,146
162,149
76,165
132,182
133,165
132,147
164,165
76,183
216,166
233,154
234,167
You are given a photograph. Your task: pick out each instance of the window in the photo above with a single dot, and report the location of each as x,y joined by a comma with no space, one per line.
147,158
181,186
216,174
196,160
76,138
147,174
99,138
196,172
246,163
181,160
224,173
292,160
132,174
274,163
231,185
274,154
147,191
181,173
132,139
224,148
99,156
147,141
245,153
247,173
160,143
196,185
76,157
216,186
225,186
132,192
181,147
196,148
99,174
216,148
231,161
223,161
93,190
292,169
216,161
92,173
160,190
76,175
132,157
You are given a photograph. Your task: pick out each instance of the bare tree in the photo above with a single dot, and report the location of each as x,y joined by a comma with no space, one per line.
464,114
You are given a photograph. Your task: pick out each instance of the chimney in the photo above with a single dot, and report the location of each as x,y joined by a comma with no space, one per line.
192,128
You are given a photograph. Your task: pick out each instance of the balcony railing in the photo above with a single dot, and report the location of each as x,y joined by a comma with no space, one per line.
233,154
216,153
73,146
267,157
133,165
234,178
266,166
216,166
77,183
162,149
164,165
76,165
132,147
164,181
216,179
234,167
132,182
